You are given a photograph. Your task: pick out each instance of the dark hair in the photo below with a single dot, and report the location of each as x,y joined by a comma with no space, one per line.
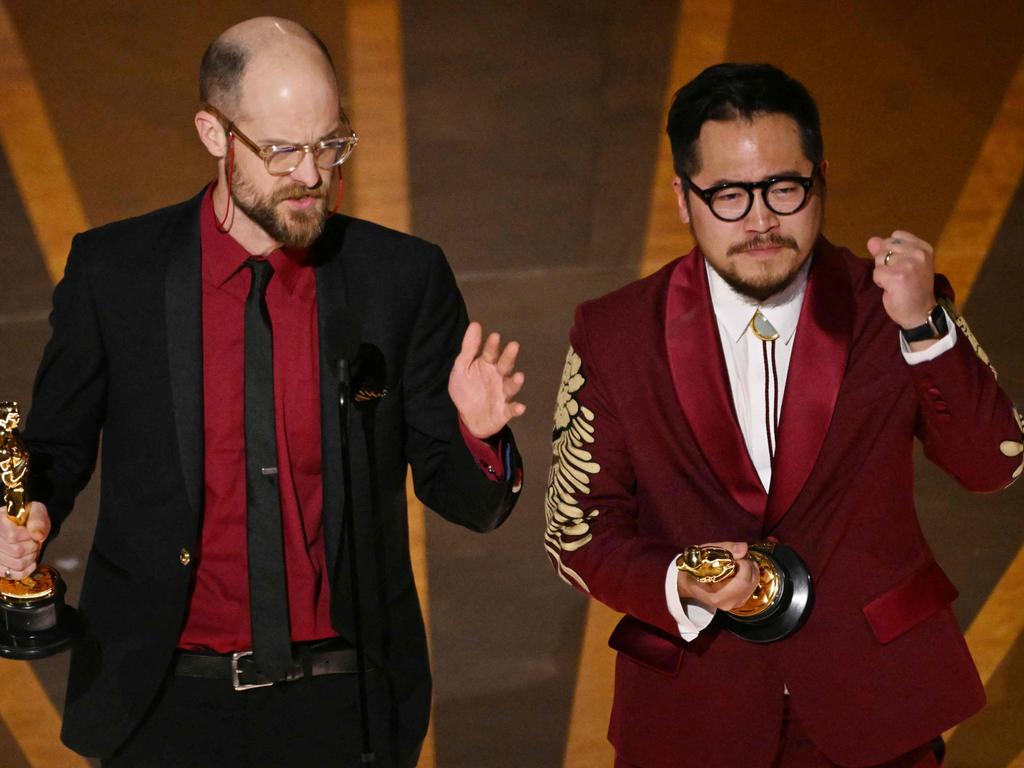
220,73
222,67
739,91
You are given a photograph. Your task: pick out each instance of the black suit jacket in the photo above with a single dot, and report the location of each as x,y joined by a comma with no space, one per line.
125,359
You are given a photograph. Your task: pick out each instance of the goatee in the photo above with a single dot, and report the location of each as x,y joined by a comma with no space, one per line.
763,289
297,228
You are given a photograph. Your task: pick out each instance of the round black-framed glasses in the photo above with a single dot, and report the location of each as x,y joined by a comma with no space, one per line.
732,200
282,159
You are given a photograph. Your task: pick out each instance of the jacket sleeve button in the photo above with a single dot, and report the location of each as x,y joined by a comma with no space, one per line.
184,557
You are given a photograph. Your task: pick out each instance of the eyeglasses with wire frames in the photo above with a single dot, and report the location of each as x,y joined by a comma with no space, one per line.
732,200
282,159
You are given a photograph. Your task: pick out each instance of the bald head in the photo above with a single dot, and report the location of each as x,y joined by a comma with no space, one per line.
254,47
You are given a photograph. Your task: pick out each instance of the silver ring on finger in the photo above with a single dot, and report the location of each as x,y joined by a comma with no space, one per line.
7,573
888,257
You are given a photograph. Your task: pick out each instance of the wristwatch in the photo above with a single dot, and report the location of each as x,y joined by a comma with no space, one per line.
933,328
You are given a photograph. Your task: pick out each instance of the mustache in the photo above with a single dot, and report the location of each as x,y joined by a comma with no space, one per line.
763,241
297,193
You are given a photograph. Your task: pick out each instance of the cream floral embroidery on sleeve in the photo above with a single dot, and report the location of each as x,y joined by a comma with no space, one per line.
1009,448
1012,448
965,329
572,467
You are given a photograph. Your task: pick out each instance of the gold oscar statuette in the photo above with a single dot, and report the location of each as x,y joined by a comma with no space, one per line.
34,621
780,603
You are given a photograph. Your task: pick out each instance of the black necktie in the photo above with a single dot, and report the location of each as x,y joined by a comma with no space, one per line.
268,590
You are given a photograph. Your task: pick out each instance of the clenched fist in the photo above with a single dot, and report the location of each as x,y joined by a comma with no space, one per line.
905,271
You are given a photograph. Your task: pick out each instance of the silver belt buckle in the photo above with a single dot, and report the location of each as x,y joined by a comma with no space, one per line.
235,683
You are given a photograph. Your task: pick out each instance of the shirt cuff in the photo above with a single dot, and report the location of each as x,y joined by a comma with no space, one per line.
942,345
691,617
487,453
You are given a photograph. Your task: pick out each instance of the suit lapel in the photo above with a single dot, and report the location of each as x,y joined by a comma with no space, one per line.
331,303
691,335
184,318
816,372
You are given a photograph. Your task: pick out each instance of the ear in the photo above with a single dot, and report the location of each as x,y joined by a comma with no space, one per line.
211,133
683,203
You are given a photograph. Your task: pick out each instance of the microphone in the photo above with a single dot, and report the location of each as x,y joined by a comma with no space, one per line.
341,334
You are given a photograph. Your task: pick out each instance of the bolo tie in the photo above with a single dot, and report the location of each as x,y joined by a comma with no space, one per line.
766,332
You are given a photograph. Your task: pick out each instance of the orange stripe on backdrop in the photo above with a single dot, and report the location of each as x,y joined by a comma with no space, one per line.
1000,620
32,720
587,745
380,173
376,83
702,34
55,213
994,179
35,156
418,552
991,636
701,40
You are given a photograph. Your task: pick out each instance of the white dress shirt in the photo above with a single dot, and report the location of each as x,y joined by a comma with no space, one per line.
744,362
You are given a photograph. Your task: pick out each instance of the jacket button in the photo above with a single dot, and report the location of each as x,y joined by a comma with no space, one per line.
184,557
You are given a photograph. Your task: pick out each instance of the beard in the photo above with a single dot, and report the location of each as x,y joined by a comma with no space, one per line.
297,228
767,281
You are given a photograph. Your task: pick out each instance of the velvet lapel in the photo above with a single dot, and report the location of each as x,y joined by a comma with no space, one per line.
331,304
183,306
700,379
816,371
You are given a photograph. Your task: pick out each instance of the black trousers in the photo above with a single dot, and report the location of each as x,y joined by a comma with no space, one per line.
206,724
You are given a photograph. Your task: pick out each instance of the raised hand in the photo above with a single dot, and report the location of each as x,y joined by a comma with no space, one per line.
905,271
484,381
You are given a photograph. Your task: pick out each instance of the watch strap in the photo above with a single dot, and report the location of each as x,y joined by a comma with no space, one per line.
933,328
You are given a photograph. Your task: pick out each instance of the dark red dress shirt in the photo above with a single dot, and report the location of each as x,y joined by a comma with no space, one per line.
218,613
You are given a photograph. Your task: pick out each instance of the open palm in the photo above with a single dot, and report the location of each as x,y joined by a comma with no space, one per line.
483,383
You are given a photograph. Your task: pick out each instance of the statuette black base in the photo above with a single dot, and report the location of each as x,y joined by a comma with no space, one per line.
792,606
38,629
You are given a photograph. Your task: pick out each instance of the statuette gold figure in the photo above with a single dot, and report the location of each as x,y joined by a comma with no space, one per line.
781,601
13,463
34,621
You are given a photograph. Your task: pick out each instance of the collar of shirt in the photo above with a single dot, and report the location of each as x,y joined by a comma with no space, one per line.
223,256
734,310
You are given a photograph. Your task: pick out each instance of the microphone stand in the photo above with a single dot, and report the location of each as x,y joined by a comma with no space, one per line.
367,757
366,403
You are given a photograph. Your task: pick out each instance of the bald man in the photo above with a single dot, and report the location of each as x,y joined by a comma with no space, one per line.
209,343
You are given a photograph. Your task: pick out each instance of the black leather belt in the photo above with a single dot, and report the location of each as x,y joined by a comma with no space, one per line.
325,657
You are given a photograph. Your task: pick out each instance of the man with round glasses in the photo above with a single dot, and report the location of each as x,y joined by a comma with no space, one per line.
783,383
249,598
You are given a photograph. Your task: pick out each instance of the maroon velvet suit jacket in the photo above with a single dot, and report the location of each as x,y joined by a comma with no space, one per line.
649,458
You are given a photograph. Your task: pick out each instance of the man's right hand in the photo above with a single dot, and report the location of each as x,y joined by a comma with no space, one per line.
20,544
730,593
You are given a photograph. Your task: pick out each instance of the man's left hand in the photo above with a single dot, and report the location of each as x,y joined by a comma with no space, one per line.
483,382
905,271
